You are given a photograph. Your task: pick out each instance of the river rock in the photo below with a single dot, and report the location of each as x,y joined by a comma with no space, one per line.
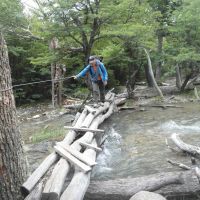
145,195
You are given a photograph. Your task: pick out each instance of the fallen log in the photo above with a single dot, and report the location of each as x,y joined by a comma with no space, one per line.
160,106
169,184
194,150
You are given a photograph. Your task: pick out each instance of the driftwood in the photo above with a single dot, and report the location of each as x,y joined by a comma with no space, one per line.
170,184
172,148
125,188
194,150
160,106
180,165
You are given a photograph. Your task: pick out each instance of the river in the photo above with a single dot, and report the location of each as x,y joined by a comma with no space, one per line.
136,139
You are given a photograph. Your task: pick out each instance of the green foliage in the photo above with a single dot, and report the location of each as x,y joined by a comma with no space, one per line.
48,134
114,29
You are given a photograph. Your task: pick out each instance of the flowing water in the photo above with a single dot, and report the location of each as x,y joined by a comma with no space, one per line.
136,141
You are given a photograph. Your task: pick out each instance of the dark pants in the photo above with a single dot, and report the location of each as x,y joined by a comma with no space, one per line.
98,91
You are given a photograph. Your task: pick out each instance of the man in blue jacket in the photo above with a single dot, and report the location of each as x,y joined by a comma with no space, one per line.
99,77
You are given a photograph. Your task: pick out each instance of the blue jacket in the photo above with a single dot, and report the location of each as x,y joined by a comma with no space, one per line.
101,70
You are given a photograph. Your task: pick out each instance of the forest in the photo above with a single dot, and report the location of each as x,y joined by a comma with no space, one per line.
119,31
150,52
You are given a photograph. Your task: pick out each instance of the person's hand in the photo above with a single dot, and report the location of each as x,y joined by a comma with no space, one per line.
105,83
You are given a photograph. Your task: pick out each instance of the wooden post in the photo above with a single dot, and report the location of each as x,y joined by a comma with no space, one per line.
56,75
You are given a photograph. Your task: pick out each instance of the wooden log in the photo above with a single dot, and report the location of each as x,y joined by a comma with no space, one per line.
80,180
73,106
161,106
36,194
120,101
85,168
56,183
128,108
38,173
84,129
41,170
178,164
172,148
89,136
90,109
79,177
52,190
77,154
88,120
179,183
194,150
90,146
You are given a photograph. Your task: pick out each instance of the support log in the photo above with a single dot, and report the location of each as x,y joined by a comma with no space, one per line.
77,154
84,129
90,146
79,177
85,168
80,180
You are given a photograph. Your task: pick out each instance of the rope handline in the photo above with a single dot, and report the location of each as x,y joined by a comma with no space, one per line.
35,82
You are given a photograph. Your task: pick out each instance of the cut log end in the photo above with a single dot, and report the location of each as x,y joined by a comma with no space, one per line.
50,196
25,192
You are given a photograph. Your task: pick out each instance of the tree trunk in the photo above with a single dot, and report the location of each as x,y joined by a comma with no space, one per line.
56,74
13,167
87,52
159,51
187,78
178,77
148,76
152,75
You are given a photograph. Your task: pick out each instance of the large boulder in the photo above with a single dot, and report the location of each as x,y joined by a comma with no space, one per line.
144,195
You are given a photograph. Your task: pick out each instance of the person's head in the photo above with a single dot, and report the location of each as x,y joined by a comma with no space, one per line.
92,60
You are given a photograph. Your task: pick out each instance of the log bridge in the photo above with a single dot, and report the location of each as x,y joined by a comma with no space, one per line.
76,153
